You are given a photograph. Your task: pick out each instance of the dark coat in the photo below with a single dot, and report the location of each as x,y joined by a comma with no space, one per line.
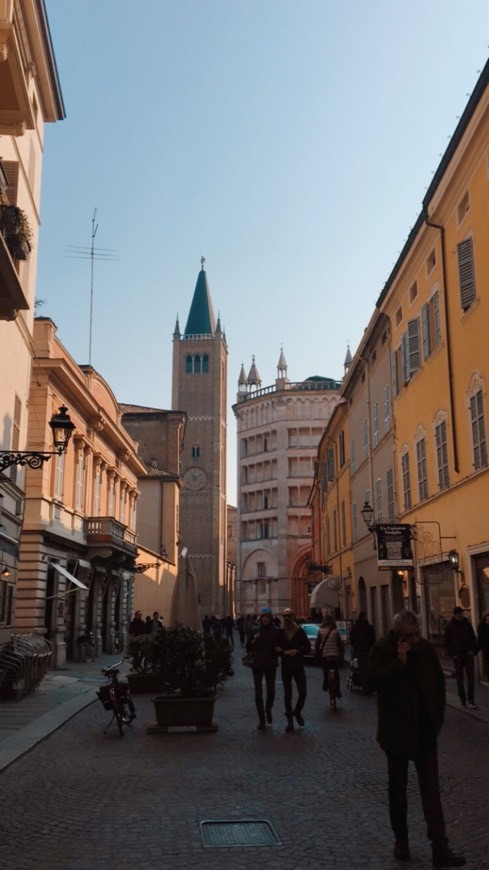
263,644
410,697
298,641
137,626
362,637
483,639
460,637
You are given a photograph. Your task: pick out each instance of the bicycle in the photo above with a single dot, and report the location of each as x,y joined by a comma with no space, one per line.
116,697
88,649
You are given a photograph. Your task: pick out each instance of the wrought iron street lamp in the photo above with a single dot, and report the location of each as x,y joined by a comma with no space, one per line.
62,429
367,513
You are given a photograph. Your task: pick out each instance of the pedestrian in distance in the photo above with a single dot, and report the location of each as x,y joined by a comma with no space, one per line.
483,643
329,651
405,670
293,643
263,646
137,626
362,638
156,623
229,629
461,644
240,625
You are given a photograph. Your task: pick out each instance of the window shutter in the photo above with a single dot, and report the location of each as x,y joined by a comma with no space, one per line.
465,254
413,344
435,310
425,325
11,170
395,387
405,358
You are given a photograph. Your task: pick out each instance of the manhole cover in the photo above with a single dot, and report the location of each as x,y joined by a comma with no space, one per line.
247,832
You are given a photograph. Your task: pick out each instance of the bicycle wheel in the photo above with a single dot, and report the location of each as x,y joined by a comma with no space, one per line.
118,709
332,689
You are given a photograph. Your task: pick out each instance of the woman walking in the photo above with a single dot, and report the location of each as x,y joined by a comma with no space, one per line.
329,648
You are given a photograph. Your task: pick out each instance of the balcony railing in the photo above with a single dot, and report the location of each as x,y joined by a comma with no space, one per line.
106,531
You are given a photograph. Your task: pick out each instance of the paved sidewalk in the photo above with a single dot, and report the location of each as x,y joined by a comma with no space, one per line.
62,694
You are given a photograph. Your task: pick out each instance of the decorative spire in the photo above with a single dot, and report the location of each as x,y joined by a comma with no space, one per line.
176,331
242,380
282,365
254,379
201,319
348,359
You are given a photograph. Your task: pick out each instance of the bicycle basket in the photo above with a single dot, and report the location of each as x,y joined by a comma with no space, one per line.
103,695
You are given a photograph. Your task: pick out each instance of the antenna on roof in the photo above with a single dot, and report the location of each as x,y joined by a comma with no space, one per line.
92,253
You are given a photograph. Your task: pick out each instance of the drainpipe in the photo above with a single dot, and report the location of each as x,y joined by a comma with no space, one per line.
447,332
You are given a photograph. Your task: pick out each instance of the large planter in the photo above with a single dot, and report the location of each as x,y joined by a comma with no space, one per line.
139,683
174,713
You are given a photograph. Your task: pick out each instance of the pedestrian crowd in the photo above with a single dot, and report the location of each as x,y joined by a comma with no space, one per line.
150,625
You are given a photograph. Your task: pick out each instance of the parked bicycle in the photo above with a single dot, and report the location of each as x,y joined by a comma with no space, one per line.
116,697
87,646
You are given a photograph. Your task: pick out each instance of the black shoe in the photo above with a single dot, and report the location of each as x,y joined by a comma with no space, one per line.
269,717
401,850
444,857
463,703
261,724
290,723
299,717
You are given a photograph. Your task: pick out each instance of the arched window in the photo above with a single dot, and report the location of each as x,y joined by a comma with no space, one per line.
188,363
197,362
205,363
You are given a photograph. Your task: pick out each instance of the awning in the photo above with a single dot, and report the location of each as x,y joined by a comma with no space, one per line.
325,594
68,576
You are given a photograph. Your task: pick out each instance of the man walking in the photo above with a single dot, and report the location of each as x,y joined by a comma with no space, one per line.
461,643
263,645
291,645
406,672
362,638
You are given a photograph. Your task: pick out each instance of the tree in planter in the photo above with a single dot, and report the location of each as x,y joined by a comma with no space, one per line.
143,653
192,664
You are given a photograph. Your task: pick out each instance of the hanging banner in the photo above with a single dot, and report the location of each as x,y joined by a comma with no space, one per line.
394,545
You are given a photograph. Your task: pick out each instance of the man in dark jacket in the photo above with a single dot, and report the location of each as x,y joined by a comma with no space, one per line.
406,672
263,645
362,638
293,642
461,643
137,626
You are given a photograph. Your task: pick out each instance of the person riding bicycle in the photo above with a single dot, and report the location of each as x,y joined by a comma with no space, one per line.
329,649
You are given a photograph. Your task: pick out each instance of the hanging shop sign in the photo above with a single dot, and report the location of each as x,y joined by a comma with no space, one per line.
393,545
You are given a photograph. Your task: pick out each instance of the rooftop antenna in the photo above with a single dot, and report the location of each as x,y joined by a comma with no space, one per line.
92,253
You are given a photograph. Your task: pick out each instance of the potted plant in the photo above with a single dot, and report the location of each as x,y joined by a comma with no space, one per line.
143,654
16,231
192,666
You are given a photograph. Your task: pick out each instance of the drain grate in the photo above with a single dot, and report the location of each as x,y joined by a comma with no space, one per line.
247,832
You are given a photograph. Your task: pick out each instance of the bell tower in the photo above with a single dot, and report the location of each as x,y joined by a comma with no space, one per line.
199,387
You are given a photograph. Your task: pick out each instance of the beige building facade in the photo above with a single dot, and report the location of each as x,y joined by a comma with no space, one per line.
278,430
31,98
78,541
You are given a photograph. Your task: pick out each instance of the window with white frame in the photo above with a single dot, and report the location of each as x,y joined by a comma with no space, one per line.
96,491
431,325
478,425
441,445
80,481
406,480
375,423
391,508
378,500
422,469
387,408
59,474
260,569
365,438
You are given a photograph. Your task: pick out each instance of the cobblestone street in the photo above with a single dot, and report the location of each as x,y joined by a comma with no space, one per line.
82,799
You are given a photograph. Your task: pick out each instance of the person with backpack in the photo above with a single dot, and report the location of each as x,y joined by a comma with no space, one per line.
329,650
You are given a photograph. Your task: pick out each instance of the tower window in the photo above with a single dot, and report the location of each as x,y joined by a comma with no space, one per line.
195,451
197,363
188,363
205,363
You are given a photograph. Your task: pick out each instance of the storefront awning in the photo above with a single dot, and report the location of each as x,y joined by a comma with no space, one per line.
68,576
325,594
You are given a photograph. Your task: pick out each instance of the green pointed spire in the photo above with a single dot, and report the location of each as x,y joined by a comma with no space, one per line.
201,319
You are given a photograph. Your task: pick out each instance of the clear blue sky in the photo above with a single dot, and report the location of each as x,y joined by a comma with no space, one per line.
290,142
